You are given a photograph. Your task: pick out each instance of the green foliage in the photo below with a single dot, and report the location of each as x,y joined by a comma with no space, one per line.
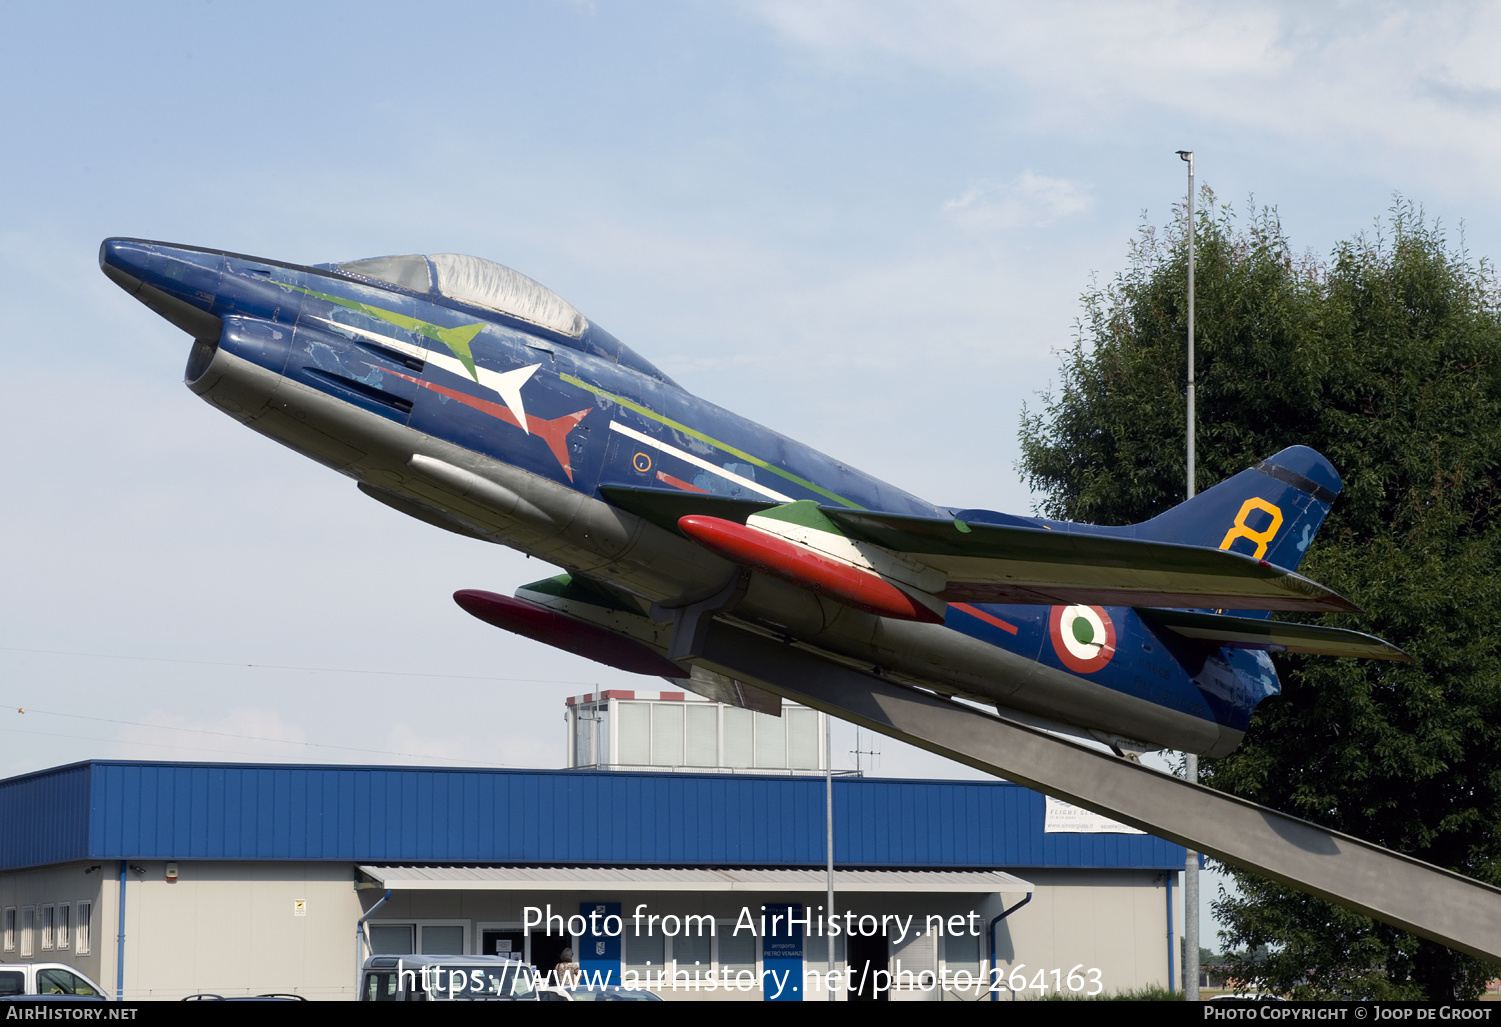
1387,359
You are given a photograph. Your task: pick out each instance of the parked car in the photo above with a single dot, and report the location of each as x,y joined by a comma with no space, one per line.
447,979
47,980
609,993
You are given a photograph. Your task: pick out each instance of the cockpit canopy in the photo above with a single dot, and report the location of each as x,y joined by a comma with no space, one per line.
477,282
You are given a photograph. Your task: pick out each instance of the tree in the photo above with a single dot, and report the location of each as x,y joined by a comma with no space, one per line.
1387,359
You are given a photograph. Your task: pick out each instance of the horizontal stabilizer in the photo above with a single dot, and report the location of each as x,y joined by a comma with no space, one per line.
1274,636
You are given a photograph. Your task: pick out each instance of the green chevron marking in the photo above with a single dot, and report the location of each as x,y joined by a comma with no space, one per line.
695,433
805,513
456,339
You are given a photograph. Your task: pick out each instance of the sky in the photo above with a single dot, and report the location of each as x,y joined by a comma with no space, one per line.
865,225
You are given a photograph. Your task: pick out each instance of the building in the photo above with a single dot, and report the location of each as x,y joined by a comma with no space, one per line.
623,729
164,879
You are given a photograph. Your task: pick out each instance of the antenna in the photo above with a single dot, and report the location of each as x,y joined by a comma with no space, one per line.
857,752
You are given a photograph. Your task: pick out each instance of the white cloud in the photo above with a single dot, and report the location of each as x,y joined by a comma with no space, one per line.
1028,201
1378,81
247,733
463,746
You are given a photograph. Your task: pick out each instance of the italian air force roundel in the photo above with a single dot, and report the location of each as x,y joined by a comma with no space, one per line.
1083,637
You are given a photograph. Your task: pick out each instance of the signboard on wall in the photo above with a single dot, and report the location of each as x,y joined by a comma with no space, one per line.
782,953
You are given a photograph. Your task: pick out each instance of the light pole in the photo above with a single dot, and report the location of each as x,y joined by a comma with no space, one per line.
1190,760
828,799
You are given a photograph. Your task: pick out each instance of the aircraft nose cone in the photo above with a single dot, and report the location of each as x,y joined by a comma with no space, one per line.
178,283
120,260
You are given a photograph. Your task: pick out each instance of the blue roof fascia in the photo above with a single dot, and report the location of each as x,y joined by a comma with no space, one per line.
117,809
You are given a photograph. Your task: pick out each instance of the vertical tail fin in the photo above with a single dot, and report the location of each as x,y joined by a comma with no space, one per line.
1270,511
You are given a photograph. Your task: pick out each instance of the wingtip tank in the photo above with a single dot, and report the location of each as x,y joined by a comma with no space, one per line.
564,632
780,558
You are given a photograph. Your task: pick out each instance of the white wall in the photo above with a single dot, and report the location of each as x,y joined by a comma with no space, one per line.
1113,920
231,928
67,883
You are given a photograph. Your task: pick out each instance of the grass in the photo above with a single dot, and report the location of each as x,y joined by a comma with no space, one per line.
1146,993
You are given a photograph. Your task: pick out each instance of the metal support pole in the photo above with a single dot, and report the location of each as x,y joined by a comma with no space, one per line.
359,941
1172,935
828,799
1453,910
120,940
1191,760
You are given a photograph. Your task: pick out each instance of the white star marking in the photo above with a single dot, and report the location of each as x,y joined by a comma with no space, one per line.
506,384
509,384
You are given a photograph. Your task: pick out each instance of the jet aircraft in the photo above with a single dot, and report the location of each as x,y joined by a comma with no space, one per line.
463,393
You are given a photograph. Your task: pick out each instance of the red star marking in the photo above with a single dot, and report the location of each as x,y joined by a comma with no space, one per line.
553,432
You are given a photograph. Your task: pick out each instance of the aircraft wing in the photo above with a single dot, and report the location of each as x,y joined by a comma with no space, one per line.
988,563
665,508
1275,636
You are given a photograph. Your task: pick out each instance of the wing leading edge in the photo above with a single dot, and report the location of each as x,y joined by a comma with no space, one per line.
992,563
953,561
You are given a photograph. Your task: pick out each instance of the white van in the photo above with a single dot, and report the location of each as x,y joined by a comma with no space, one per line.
447,979
24,980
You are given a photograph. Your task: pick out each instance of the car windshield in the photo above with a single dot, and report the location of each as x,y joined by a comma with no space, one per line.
61,982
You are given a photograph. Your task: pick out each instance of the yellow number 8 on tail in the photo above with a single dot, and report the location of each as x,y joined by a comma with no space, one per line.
1240,529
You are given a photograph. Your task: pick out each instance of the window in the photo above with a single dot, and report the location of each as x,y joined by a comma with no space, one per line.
485,283
81,935
408,271
583,736
49,914
644,953
771,740
635,734
392,939
440,938
703,735
667,734
62,982
816,953
28,916
10,929
692,957
802,738
961,955
380,986
737,953
737,736
63,911
914,963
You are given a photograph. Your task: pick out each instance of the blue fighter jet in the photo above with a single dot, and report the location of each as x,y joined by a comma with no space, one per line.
467,395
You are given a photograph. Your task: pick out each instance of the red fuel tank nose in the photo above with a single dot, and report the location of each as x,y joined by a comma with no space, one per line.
801,566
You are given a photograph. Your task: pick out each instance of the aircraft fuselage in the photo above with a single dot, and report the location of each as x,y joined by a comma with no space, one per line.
512,429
